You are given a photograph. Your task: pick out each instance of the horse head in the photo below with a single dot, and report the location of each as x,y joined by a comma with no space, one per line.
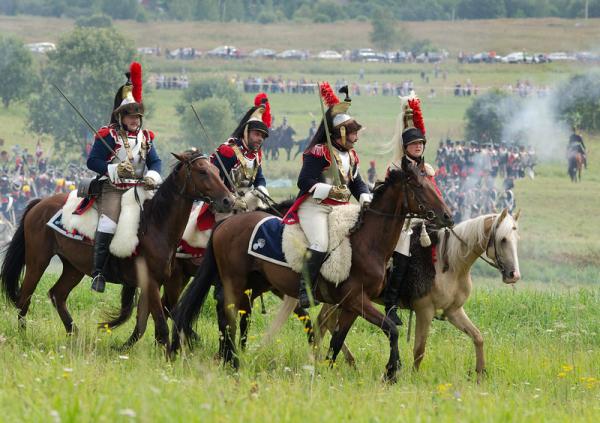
421,197
502,246
201,181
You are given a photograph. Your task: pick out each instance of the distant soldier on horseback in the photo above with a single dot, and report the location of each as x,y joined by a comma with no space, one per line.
126,158
322,166
576,145
239,159
409,145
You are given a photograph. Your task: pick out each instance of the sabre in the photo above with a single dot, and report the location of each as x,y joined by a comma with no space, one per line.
88,124
334,167
216,154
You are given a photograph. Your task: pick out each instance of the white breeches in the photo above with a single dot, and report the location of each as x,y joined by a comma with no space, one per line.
314,221
403,245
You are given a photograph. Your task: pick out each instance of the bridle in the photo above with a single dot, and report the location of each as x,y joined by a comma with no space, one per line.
407,189
187,164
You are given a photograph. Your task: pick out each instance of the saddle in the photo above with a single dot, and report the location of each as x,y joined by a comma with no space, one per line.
126,238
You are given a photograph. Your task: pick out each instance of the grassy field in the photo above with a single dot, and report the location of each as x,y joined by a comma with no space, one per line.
542,338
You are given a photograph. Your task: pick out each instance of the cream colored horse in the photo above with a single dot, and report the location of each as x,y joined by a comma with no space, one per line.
496,235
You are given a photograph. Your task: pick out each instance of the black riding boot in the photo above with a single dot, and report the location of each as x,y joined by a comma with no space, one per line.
391,291
101,255
312,267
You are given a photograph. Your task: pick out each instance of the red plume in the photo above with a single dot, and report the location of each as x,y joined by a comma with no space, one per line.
328,95
136,79
415,105
261,98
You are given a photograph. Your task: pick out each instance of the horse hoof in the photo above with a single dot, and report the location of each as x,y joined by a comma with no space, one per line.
390,377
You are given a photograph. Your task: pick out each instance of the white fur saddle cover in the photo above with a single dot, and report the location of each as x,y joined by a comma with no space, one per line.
125,240
336,268
192,235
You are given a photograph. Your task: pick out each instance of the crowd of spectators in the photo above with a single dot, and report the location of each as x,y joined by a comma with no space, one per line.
468,175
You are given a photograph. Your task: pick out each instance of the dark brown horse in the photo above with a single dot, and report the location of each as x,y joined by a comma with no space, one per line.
576,160
162,223
405,191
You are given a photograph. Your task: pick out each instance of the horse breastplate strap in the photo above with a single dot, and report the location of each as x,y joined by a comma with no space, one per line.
244,174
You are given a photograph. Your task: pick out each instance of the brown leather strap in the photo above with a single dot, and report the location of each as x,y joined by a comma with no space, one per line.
445,251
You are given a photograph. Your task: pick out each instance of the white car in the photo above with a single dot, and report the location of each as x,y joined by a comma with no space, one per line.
517,57
560,56
330,55
41,47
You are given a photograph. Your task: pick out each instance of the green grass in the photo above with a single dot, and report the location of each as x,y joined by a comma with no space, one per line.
530,334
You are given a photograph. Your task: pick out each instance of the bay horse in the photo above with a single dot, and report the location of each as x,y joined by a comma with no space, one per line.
405,191
162,223
496,235
575,166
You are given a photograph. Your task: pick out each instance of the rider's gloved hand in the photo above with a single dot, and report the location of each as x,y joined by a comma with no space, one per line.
149,183
239,204
125,170
365,199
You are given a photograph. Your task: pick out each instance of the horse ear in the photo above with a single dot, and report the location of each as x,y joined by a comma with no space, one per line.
178,157
517,215
502,215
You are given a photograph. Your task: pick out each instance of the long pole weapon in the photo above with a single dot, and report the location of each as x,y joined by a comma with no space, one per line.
89,125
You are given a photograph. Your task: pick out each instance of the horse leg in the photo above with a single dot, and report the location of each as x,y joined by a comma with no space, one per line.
365,307
462,322
58,294
343,325
245,314
141,321
34,269
156,309
232,294
327,319
424,316
304,317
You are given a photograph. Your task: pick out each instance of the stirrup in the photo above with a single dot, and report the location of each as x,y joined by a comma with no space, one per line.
304,299
98,283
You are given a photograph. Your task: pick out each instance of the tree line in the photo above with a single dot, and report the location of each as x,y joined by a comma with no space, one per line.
269,11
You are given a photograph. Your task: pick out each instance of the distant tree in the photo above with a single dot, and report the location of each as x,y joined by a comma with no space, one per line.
16,69
216,116
120,9
579,103
88,65
481,9
384,31
487,115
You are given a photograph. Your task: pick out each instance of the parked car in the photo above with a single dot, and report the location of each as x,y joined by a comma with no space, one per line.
41,47
330,55
429,57
396,56
184,53
264,53
516,57
150,51
587,56
367,55
224,52
561,56
292,55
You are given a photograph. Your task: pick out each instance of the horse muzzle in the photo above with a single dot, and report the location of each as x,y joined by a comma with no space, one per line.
225,204
511,277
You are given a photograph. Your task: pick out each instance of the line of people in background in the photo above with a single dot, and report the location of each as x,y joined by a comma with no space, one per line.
468,172
162,82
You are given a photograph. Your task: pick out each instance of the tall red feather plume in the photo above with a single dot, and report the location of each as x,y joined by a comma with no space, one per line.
260,99
136,80
328,95
415,105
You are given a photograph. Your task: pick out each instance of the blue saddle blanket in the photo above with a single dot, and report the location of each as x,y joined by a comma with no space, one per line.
266,241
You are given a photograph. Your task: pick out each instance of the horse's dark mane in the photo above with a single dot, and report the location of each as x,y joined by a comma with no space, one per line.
159,207
392,177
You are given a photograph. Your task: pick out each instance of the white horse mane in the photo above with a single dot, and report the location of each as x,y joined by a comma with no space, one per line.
472,232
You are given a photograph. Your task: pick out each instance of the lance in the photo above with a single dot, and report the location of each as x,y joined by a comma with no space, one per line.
88,123
334,167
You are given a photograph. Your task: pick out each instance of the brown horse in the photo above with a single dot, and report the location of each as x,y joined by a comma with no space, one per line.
162,223
575,166
405,191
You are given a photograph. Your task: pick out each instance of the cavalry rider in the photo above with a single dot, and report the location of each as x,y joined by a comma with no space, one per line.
241,155
409,144
576,145
318,191
130,161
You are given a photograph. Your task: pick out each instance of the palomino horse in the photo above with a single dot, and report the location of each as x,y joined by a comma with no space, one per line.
575,166
495,235
405,191
162,223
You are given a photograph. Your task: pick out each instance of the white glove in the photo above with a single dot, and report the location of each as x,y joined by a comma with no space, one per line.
320,191
365,198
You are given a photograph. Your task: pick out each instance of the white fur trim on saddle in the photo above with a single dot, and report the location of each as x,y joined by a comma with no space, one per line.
336,268
191,235
125,240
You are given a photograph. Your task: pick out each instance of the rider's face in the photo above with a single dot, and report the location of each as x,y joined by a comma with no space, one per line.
131,122
351,139
415,149
255,139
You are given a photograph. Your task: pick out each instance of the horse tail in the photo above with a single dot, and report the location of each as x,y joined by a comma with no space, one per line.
120,316
188,307
14,259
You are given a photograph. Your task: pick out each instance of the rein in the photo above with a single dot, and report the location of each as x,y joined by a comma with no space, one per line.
497,264
188,179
